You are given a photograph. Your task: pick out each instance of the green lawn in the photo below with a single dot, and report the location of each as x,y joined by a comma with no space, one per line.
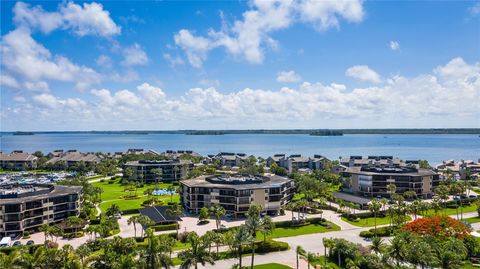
294,231
472,220
452,211
370,222
114,194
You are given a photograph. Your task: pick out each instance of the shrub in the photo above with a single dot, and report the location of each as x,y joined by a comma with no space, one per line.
165,227
381,232
438,226
182,237
130,211
366,234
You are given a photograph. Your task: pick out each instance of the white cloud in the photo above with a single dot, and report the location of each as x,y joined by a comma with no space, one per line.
363,72
9,81
174,61
196,48
411,102
88,19
394,45
33,62
134,55
288,76
104,61
249,37
475,9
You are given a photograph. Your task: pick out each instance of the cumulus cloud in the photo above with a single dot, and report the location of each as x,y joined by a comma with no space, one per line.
475,9
404,100
173,60
394,45
288,76
104,61
86,19
250,36
134,55
23,56
9,81
363,72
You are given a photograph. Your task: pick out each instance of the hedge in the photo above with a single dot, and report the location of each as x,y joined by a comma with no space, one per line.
381,232
130,211
165,227
291,223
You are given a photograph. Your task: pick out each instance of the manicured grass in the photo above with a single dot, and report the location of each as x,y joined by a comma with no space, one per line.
472,220
114,194
452,211
370,222
469,265
300,230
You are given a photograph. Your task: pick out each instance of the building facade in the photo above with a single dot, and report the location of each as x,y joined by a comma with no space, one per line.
296,162
231,159
73,157
27,207
373,180
18,160
171,170
236,193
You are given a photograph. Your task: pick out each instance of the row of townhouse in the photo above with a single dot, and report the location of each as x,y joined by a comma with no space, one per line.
464,169
297,162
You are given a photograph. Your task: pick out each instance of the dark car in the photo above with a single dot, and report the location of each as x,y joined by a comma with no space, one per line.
30,243
17,243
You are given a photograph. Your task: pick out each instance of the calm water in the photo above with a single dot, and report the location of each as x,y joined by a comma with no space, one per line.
433,148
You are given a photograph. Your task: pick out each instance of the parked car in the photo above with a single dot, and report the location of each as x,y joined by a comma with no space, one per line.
117,215
5,242
17,243
30,243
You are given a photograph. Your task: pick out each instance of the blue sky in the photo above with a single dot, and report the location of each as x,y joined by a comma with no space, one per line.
232,64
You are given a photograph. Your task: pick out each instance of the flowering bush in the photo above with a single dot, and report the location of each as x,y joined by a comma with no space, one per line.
438,226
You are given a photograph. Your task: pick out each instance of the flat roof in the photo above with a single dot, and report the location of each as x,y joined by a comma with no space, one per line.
202,182
47,191
420,172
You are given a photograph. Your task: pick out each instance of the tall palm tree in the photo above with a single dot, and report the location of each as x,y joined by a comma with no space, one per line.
218,212
154,254
391,189
157,173
299,251
74,222
175,211
133,220
374,207
254,224
196,254
442,192
309,257
267,227
240,237
45,228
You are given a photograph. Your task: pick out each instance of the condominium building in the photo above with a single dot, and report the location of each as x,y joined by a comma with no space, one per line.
236,193
73,157
296,162
356,161
231,159
18,160
373,180
464,169
26,207
143,170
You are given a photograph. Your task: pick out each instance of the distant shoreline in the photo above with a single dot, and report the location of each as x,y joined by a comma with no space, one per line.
473,131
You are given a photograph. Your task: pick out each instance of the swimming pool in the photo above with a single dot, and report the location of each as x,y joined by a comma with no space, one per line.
162,192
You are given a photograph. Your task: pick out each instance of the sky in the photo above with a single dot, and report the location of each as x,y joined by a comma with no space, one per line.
167,65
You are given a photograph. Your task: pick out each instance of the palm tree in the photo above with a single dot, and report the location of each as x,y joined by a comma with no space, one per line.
218,212
267,227
83,251
154,253
133,220
144,222
374,207
128,172
176,169
396,250
435,204
309,257
327,243
45,228
450,253
299,251
74,221
377,244
442,192
254,224
391,189
112,210
171,190
195,254
384,203
175,211
240,237
157,173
